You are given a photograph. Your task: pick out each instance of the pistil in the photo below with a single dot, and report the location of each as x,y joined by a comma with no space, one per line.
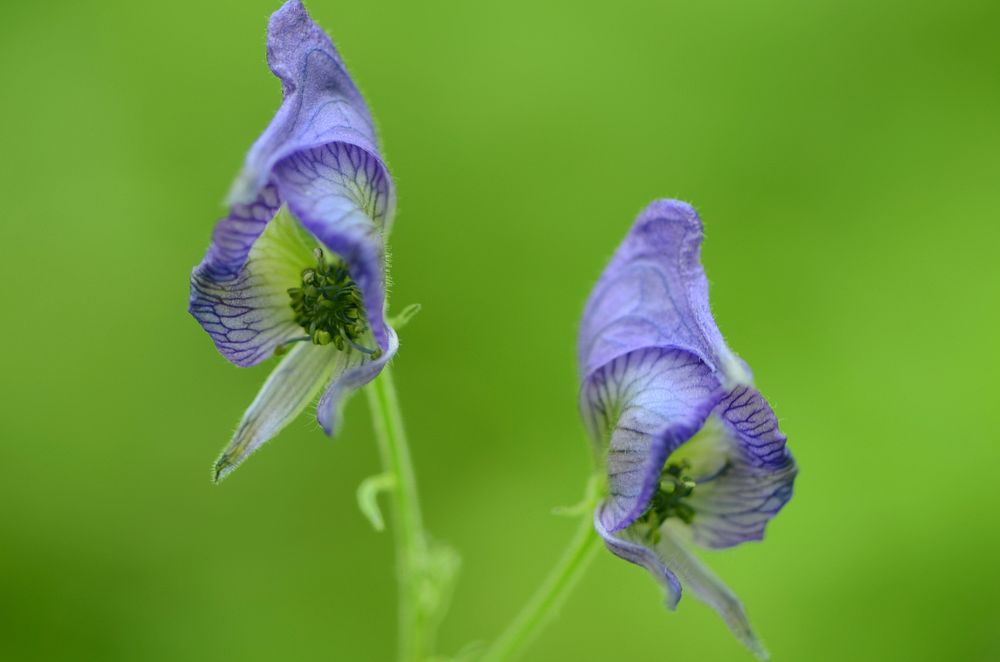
671,496
328,306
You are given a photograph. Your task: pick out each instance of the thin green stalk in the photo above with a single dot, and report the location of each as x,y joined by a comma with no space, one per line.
551,594
411,542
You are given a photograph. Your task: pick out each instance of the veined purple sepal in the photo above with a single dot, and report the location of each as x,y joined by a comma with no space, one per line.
654,293
321,104
239,293
645,404
690,447
749,479
320,158
342,195
298,265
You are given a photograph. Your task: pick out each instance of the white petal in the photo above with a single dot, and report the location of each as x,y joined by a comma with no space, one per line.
698,579
288,390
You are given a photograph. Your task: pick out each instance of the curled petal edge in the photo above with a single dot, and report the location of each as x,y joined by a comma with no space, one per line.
639,554
331,404
756,472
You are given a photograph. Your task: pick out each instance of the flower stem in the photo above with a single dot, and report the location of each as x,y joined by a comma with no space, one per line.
411,542
553,591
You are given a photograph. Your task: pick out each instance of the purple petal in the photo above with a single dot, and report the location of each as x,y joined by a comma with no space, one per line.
341,195
630,547
328,411
649,401
320,156
321,103
756,477
239,292
654,294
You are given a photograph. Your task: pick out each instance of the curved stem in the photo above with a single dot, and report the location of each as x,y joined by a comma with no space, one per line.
411,542
553,591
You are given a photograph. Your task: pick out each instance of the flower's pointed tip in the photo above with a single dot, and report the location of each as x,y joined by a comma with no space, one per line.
223,467
671,599
669,210
755,647
290,7
328,418
673,208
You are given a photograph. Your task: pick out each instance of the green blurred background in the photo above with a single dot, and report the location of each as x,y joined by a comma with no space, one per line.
844,158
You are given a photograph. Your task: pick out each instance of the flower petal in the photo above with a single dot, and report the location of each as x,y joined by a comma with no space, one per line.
697,578
356,374
753,474
342,195
649,401
239,291
287,391
654,293
631,548
319,155
321,104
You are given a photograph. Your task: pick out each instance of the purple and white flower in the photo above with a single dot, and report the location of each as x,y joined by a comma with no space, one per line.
693,452
298,268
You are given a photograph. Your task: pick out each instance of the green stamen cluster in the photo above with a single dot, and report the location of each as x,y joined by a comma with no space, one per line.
670,498
328,306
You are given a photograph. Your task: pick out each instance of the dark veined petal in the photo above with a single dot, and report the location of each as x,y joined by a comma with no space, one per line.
627,545
320,156
654,294
356,374
655,368
647,402
239,292
342,195
749,471
292,385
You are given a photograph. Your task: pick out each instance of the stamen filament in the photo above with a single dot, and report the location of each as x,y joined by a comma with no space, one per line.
283,347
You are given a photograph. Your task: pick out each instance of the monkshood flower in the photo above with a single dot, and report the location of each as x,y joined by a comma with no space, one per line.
297,268
693,452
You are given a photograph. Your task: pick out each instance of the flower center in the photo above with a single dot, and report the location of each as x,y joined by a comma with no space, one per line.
328,306
670,498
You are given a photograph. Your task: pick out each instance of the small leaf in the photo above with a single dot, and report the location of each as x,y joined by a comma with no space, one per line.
586,505
405,315
368,492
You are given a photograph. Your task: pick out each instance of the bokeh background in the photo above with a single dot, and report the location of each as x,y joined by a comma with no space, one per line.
844,158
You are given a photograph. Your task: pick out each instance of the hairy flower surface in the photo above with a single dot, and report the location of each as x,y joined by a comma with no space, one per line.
693,452
298,268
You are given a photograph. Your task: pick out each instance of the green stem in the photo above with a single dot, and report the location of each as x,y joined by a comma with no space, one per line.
551,594
411,542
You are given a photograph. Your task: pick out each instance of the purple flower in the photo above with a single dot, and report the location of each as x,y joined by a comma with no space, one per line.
693,452
297,267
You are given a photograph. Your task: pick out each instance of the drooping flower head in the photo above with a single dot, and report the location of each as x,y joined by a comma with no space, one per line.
297,267
692,450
